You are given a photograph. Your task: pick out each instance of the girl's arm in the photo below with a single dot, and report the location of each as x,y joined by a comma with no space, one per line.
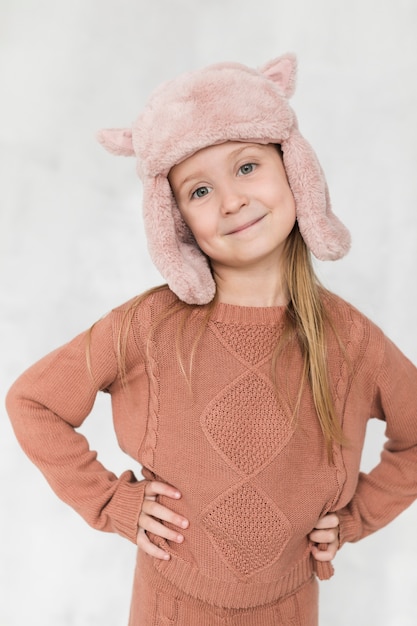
391,486
47,404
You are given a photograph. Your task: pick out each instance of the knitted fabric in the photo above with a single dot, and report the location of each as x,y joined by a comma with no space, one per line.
254,480
157,601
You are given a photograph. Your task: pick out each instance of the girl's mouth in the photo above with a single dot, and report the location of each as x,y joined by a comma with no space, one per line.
245,226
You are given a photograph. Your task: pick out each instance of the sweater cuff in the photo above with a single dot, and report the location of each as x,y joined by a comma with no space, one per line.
124,508
348,527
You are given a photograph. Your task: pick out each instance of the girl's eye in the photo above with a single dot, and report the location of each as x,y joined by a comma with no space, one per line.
200,192
247,168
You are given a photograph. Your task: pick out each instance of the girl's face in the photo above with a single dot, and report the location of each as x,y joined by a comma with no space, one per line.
236,200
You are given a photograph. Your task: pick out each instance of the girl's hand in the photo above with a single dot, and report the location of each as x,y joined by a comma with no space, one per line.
325,538
151,516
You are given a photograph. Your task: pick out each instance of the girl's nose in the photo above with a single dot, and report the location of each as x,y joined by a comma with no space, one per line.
232,200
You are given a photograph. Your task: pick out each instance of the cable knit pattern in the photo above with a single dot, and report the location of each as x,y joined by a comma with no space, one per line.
254,481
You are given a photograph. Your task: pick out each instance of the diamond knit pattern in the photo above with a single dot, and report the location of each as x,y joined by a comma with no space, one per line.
248,426
241,538
251,343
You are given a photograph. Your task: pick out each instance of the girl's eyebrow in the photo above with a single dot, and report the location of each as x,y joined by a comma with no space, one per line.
246,146
200,173
191,177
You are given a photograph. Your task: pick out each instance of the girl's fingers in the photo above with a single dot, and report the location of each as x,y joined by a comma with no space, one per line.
150,548
328,521
325,538
152,516
156,488
324,552
163,513
150,524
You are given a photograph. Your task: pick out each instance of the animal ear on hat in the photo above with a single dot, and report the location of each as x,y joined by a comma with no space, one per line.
283,72
118,141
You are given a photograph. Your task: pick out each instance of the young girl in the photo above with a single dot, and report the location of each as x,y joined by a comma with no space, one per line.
242,386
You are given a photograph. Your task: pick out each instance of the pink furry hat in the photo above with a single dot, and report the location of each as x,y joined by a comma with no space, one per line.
222,102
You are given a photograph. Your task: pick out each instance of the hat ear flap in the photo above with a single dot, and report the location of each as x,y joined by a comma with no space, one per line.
283,72
172,246
117,141
325,235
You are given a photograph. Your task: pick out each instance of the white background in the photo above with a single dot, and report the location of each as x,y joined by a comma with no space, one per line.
72,245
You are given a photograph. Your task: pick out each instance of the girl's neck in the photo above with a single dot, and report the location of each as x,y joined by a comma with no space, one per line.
258,290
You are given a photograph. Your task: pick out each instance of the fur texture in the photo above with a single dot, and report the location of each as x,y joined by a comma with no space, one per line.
222,102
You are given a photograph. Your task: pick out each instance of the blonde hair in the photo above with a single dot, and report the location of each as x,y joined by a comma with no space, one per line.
306,320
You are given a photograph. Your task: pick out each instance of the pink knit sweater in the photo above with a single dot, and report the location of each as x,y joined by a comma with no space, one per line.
254,482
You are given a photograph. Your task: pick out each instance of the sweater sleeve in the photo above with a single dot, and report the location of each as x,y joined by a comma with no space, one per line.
391,486
47,404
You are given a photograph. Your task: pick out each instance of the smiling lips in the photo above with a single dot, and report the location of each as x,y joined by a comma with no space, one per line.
245,226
